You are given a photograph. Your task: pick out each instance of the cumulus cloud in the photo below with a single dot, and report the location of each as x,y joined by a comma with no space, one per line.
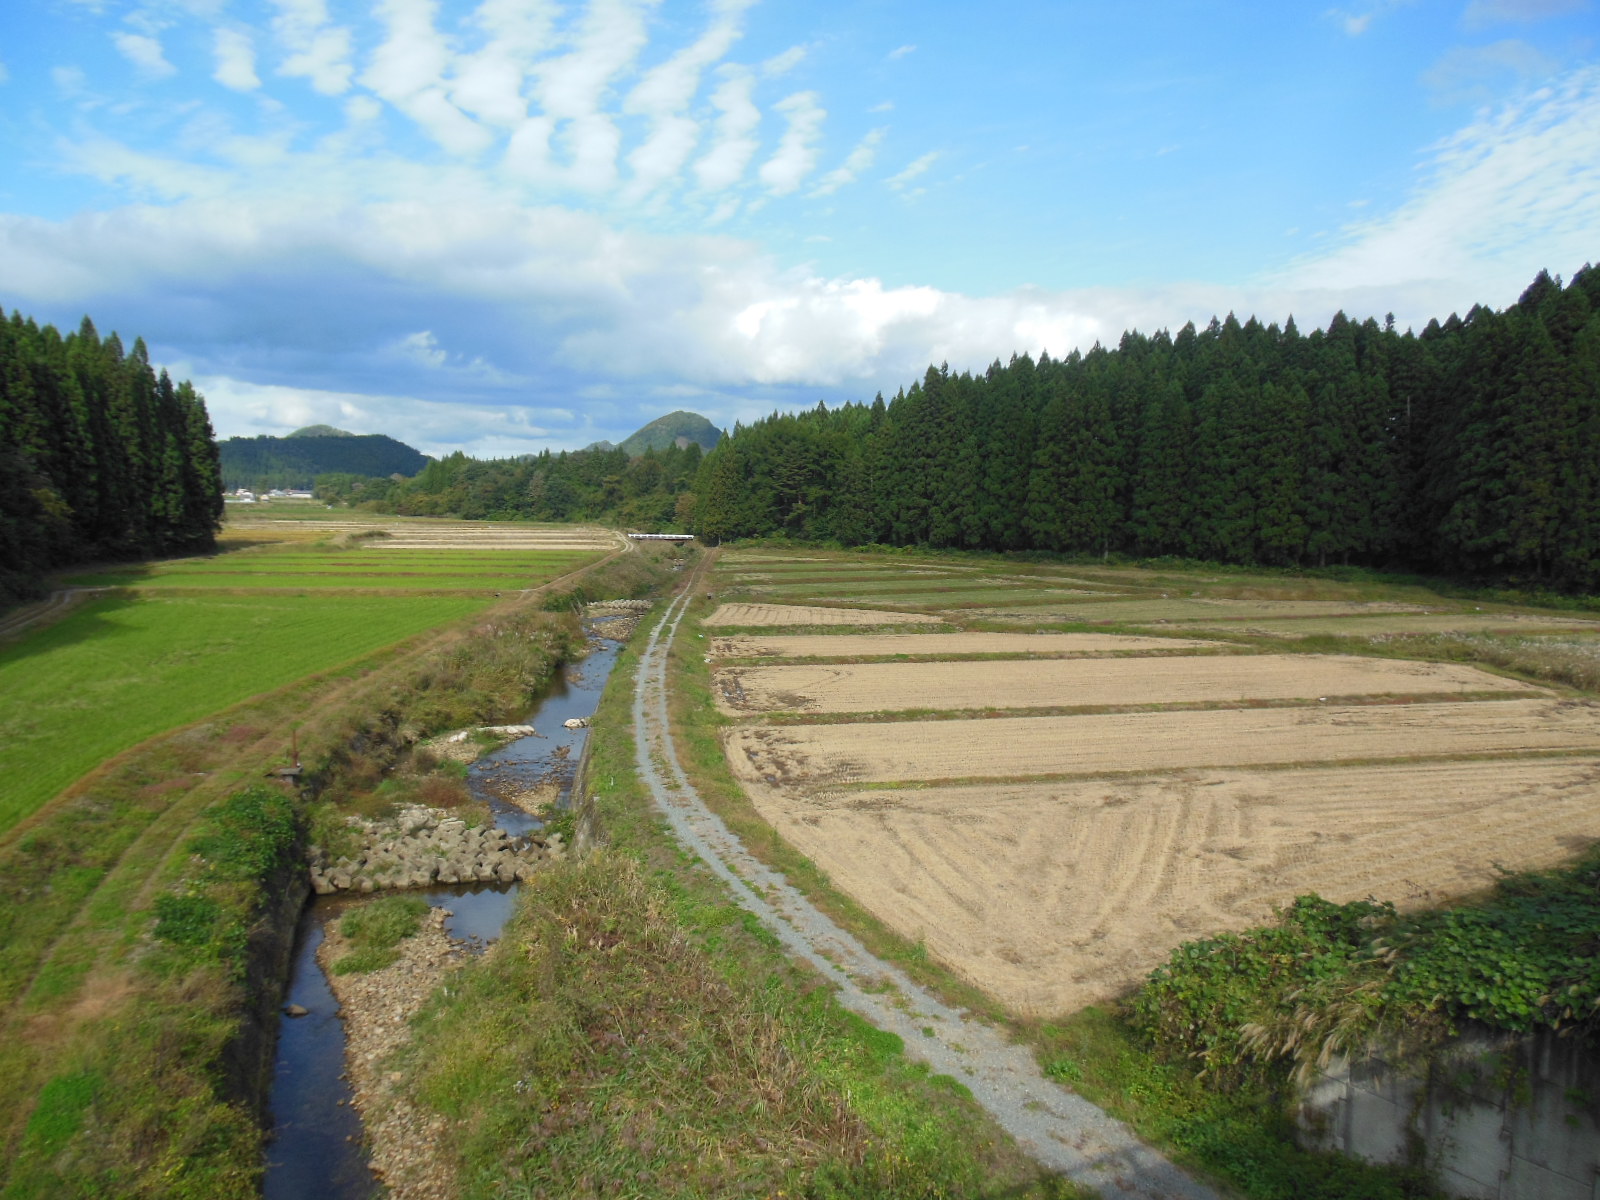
236,60
796,154
145,54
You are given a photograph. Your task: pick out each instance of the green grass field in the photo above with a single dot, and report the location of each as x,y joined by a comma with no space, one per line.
199,634
119,670
273,568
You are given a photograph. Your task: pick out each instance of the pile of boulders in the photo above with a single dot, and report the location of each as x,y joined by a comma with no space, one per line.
427,847
605,608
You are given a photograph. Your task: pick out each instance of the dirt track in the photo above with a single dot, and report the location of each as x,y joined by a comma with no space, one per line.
1062,1130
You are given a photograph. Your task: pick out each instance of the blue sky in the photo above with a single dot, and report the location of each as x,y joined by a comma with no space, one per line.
502,225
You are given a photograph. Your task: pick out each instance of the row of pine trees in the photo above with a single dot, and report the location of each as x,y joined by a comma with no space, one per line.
101,457
1471,449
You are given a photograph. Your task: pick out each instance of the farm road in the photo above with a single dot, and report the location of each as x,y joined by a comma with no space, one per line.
1063,1131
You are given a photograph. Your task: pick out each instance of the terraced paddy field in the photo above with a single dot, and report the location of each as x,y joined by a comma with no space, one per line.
1121,792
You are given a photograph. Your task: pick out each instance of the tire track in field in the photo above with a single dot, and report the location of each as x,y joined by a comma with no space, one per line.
1060,1129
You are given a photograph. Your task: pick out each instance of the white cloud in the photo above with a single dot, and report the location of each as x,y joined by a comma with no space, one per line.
664,93
408,70
1481,13
1475,74
859,159
1515,190
917,167
145,54
901,51
782,64
1356,23
318,50
422,347
236,60
240,408
796,154
733,145
69,81
5,75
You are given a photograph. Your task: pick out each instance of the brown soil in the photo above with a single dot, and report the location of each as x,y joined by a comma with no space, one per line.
794,614
1044,683
1055,895
1097,744
1210,609
846,645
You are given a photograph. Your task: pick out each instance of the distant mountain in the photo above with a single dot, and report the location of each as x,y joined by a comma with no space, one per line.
675,429
295,461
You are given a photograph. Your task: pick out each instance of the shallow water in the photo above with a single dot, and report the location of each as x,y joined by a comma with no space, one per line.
317,1147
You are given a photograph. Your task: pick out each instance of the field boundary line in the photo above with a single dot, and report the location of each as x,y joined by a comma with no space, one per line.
1058,1128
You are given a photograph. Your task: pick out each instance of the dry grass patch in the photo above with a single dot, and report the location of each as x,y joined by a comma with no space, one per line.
756,615
1050,896
1017,747
883,644
1053,683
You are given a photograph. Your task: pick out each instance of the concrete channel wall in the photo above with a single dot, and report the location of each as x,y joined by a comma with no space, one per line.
1494,1117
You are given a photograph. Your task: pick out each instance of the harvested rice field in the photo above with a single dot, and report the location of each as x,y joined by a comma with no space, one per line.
943,644
1053,896
1117,743
759,615
1142,610
1058,682
1052,856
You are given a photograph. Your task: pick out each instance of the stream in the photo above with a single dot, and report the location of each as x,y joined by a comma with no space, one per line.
316,1146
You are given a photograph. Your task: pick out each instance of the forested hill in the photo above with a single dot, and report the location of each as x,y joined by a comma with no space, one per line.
675,429
1472,448
100,456
296,460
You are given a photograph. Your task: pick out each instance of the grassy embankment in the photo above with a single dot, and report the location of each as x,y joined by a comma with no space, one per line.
136,917
636,1034
1241,1138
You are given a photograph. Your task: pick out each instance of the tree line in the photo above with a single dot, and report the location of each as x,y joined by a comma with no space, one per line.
1472,448
649,492
101,456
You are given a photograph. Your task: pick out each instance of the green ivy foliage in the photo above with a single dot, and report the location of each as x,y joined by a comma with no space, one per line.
1327,978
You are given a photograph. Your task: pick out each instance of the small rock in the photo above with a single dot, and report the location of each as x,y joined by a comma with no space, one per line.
296,1010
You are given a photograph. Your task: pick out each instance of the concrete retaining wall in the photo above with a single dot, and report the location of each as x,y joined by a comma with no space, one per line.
1494,1117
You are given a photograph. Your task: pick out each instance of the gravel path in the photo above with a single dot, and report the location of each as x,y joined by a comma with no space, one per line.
1061,1130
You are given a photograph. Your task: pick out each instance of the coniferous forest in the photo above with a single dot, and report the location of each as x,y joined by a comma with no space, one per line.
1470,449
100,456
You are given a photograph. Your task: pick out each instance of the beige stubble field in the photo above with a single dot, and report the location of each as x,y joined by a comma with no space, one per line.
1053,860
